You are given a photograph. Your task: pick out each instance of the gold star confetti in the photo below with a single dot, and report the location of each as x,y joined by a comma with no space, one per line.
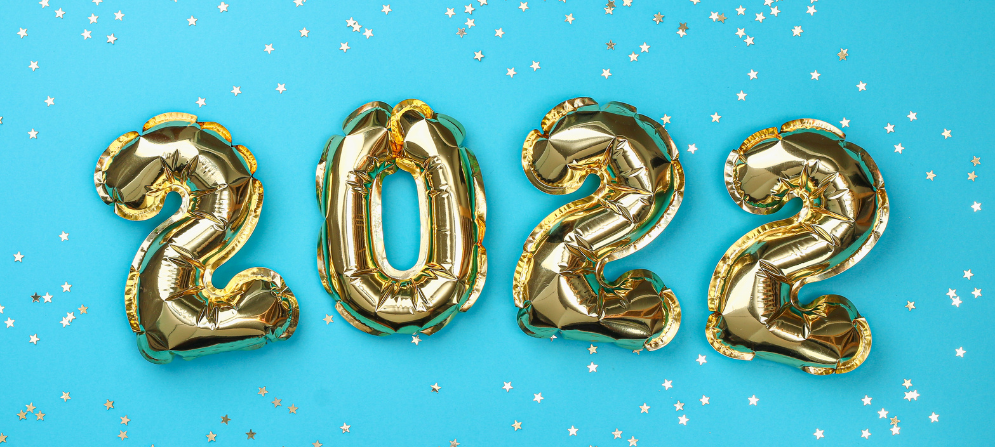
842,54
682,29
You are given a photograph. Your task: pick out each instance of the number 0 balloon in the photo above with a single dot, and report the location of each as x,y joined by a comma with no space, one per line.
170,301
754,290
452,263
559,284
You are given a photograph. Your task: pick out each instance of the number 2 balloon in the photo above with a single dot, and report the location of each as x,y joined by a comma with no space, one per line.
170,301
559,283
754,290
452,263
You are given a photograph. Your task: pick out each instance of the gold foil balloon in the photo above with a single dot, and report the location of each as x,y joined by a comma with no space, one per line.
169,298
452,263
559,284
754,290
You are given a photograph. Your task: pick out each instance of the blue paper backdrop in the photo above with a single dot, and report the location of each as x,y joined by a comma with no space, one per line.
932,58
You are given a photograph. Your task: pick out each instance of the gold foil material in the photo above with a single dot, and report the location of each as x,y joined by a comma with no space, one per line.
452,263
754,291
559,285
169,299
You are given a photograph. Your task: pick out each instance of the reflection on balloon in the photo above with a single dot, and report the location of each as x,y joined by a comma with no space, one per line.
452,263
559,284
170,301
754,291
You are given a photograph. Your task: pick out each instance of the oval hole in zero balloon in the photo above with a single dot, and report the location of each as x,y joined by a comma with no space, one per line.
401,220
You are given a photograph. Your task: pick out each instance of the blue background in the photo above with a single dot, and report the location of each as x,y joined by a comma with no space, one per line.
929,57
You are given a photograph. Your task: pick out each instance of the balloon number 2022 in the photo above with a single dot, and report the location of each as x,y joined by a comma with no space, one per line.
559,286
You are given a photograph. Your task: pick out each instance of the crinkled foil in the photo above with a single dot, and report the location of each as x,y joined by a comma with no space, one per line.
559,285
754,290
452,263
170,301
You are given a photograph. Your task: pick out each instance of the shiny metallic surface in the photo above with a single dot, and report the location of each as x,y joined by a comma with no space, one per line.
559,286
754,291
170,301
452,263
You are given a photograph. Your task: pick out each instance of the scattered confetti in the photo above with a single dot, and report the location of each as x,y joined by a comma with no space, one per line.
57,319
